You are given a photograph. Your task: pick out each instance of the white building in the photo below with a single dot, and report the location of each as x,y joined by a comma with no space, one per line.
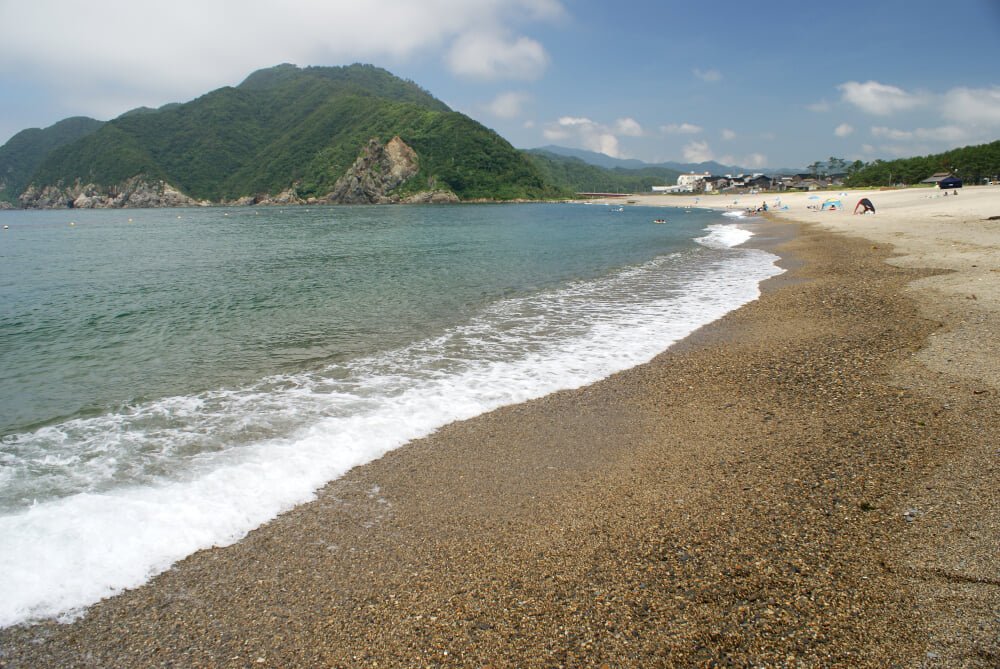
689,182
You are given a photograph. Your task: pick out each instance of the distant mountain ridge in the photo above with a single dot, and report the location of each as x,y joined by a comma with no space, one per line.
574,174
285,133
609,162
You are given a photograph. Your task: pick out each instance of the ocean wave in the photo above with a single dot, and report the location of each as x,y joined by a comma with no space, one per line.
118,498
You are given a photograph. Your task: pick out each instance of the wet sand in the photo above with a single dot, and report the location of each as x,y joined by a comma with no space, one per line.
793,485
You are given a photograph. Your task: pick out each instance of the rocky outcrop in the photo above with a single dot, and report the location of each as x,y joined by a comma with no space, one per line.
372,179
133,193
377,172
432,197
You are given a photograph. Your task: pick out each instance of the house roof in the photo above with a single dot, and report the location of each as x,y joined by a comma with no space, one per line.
934,178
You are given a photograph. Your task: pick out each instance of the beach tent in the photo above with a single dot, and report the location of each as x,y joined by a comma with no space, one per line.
865,205
831,204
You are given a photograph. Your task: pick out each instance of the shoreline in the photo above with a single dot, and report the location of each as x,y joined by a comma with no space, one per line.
745,496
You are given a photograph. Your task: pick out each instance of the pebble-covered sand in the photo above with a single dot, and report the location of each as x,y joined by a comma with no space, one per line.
790,486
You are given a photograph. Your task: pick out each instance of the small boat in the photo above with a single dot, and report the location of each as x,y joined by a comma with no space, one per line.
616,210
659,220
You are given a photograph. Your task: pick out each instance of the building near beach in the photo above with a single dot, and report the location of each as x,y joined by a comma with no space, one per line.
689,182
943,180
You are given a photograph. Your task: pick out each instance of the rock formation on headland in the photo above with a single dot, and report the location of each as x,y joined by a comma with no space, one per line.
378,171
136,192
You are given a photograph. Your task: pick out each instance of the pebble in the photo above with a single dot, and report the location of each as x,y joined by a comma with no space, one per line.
709,508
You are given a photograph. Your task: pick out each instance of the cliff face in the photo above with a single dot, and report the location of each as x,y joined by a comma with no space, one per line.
134,193
375,174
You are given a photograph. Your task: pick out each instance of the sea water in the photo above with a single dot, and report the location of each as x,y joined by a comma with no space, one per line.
172,379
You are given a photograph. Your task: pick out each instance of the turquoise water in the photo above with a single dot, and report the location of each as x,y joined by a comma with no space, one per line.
110,312
172,378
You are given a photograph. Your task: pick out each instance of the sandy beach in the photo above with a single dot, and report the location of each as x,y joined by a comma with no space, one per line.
812,480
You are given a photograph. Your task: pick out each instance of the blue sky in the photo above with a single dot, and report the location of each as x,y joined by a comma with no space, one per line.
761,85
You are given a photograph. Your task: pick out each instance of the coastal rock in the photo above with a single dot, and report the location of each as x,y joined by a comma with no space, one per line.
286,197
432,197
375,174
50,197
136,192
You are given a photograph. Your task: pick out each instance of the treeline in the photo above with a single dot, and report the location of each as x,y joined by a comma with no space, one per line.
576,176
972,164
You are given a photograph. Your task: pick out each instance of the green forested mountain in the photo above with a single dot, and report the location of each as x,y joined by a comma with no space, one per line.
972,164
21,155
285,127
574,174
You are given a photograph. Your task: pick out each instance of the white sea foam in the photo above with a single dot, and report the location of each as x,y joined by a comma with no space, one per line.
724,236
206,470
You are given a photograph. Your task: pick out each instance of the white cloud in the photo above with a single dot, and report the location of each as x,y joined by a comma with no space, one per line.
591,135
821,106
891,133
605,143
980,106
880,99
488,56
698,152
629,127
509,105
728,134
947,133
146,54
843,130
680,129
708,76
